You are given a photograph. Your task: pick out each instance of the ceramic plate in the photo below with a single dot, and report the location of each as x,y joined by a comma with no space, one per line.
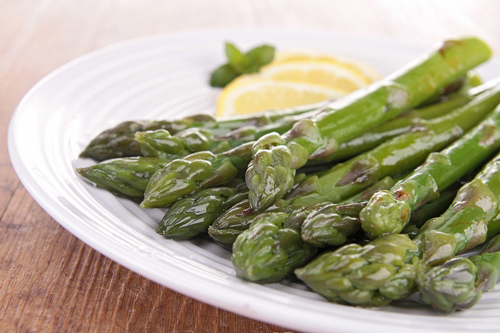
166,77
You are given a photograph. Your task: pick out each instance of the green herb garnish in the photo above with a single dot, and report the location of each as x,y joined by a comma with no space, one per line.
241,63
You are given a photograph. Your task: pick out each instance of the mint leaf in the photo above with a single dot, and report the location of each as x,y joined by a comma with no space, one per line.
223,75
250,68
261,55
239,63
236,59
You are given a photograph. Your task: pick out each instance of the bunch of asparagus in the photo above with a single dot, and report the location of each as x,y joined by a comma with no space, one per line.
393,182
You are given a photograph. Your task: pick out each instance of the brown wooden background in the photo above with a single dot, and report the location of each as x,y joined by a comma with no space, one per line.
51,281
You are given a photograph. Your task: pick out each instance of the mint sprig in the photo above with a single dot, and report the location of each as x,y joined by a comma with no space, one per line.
241,63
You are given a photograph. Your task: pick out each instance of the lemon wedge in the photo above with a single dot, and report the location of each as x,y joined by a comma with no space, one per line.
321,73
253,94
292,79
356,67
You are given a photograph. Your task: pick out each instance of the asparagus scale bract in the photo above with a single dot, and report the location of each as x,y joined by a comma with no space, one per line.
275,158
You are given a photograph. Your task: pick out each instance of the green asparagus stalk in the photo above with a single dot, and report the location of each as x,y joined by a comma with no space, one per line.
450,286
160,143
383,261
119,141
459,283
194,172
275,158
126,177
190,217
389,211
232,222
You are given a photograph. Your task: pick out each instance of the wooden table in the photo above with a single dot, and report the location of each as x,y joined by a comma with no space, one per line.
51,281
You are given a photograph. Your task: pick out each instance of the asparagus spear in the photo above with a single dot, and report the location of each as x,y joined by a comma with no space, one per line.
389,211
190,217
119,141
272,246
194,172
388,265
126,177
275,158
370,275
459,283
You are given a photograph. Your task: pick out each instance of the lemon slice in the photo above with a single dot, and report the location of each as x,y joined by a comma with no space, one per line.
292,79
326,74
252,94
356,67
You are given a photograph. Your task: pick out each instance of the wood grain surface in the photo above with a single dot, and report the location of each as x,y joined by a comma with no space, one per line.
51,281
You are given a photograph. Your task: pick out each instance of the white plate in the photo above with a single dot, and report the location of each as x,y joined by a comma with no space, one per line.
163,77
